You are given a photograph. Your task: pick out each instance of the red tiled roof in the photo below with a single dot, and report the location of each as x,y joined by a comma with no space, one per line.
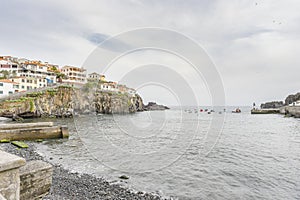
7,81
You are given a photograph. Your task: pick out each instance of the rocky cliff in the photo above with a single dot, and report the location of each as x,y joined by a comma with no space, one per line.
292,98
65,101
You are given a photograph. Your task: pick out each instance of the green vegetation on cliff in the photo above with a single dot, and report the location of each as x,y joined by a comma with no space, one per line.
65,101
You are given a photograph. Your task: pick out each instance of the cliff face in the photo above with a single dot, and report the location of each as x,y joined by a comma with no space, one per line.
64,101
92,99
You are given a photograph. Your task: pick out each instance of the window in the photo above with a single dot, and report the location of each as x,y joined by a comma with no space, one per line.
23,87
10,92
1,84
23,80
1,91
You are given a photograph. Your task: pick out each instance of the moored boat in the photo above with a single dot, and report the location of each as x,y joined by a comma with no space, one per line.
237,111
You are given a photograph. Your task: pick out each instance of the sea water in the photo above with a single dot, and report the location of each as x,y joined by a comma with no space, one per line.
247,157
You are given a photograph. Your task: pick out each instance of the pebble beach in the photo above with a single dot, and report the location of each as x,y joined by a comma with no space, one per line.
71,185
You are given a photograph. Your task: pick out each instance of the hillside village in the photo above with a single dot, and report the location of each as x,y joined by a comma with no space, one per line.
21,75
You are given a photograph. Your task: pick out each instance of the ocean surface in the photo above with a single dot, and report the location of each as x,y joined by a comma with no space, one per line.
183,153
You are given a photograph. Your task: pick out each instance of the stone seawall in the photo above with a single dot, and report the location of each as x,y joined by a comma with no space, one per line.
35,179
293,111
9,175
21,180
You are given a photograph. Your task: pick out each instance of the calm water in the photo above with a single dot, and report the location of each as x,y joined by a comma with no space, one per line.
255,157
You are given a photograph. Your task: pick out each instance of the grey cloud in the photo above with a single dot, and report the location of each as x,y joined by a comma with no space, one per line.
238,35
248,33
97,38
108,42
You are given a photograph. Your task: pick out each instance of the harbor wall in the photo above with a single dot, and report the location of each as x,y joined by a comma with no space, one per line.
293,111
21,180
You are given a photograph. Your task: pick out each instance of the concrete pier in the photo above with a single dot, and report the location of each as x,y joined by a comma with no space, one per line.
32,131
25,125
264,111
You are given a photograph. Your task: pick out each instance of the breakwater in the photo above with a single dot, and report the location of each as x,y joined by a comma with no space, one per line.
293,111
289,107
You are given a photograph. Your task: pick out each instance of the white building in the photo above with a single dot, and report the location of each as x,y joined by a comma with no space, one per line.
6,65
7,87
296,103
29,83
74,75
96,77
37,70
109,86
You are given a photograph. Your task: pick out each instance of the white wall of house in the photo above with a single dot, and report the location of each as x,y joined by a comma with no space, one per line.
108,87
37,75
26,83
6,89
8,66
74,74
94,76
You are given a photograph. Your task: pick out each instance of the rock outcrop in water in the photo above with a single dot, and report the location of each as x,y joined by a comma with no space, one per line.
155,106
65,101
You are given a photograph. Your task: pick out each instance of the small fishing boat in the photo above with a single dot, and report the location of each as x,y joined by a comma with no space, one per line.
237,111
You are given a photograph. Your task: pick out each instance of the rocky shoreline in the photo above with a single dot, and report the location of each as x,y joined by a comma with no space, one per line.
68,185
66,101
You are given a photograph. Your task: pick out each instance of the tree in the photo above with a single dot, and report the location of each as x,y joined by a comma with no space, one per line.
5,74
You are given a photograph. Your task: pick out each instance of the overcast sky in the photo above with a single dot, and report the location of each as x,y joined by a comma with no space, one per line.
254,44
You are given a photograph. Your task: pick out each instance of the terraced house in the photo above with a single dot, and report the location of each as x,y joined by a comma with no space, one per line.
37,70
28,83
74,75
8,87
